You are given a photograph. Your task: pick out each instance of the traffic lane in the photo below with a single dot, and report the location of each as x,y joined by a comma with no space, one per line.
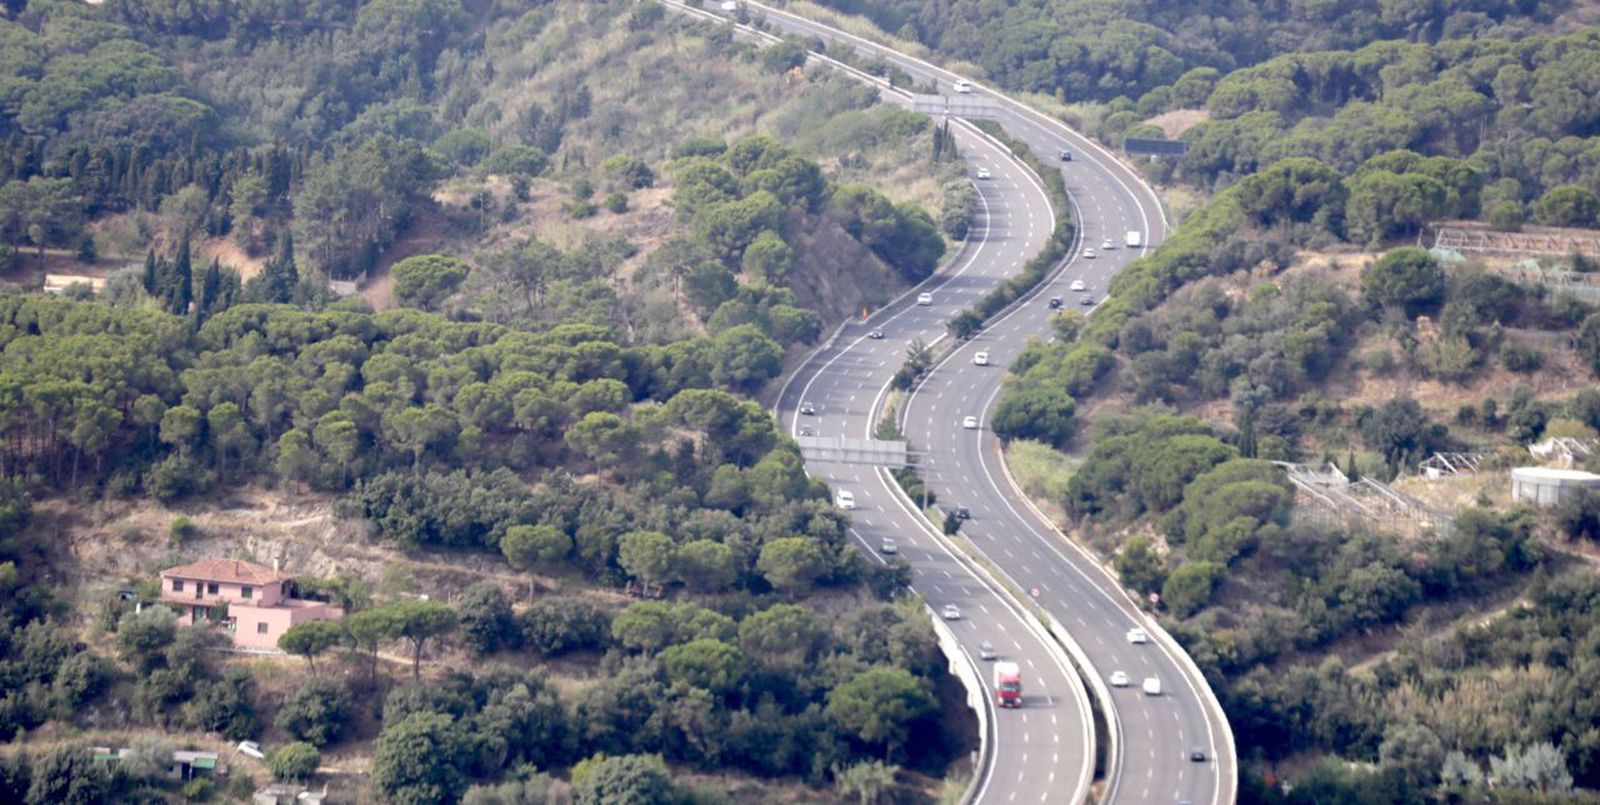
955,474
1156,729
1023,738
1104,619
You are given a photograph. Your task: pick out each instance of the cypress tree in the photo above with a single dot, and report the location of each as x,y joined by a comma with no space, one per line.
181,292
210,287
150,271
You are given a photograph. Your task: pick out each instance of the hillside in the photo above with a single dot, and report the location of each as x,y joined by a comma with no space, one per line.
543,545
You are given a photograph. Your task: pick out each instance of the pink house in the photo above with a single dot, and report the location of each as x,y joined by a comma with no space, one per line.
257,597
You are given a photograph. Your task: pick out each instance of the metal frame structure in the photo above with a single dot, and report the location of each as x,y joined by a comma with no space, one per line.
1489,241
1444,464
1328,497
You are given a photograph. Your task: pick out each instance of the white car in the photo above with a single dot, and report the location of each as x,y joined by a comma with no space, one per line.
983,173
1078,285
962,86
1138,636
846,499
951,612
1088,254
970,423
730,5
1107,245
888,546
924,299
1152,686
986,651
981,359
808,409
1119,679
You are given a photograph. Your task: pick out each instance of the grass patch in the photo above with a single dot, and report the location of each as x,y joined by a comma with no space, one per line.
1041,470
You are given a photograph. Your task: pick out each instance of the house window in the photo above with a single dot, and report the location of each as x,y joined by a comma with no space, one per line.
247,592
211,589
177,585
261,628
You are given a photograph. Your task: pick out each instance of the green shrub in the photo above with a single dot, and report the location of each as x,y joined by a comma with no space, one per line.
295,762
617,202
182,530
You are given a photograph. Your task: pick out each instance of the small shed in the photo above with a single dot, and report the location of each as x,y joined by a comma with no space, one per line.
1547,486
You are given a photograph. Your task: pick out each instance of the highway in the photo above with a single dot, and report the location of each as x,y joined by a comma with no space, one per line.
1045,750
1156,734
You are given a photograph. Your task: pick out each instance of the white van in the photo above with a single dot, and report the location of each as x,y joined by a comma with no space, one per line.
981,359
1134,239
846,499
924,299
1152,686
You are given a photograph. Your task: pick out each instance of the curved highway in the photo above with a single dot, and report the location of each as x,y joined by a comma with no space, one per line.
1158,735
1044,751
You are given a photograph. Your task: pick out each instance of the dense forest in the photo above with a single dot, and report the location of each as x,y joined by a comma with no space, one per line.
1091,50
577,290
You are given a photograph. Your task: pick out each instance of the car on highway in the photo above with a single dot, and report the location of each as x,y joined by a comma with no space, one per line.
876,335
983,173
981,359
1088,254
846,499
805,430
1119,679
986,651
924,299
807,408
1107,245
1078,285
730,5
962,86
1152,686
962,513
970,423
1197,754
1055,302
888,546
951,612
1138,636
1066,156
1086,301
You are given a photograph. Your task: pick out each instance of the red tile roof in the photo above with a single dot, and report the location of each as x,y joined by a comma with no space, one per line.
228,570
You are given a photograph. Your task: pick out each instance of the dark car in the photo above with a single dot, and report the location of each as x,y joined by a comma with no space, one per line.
807,408
1197,754
963,513
1055,302
875,334
1066,156
1086,301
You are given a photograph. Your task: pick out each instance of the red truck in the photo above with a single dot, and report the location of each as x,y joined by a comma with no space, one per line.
1007,684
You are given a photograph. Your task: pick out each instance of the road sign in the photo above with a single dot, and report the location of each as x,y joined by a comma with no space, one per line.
963,106
1160,148
842,450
